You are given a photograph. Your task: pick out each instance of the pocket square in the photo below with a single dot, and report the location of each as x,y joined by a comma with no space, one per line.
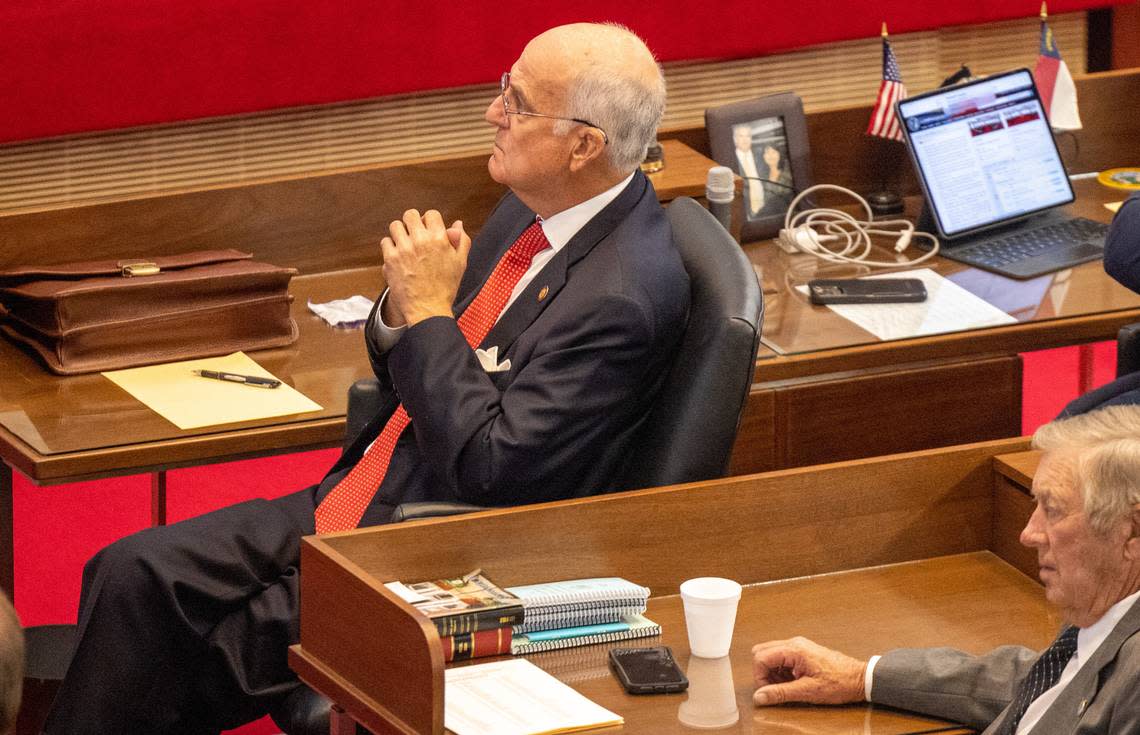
489,359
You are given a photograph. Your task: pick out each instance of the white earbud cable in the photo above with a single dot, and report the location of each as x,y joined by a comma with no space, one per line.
838,237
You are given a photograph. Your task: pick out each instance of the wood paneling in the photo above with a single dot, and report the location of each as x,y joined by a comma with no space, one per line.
844,416
1108,138
1126,36
755,447
247,149
314,224
1012,508
331,221
862,512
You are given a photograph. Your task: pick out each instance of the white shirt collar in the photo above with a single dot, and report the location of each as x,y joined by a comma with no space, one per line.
561,227
1090,638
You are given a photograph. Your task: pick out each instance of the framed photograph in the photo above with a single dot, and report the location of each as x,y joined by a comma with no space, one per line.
764,141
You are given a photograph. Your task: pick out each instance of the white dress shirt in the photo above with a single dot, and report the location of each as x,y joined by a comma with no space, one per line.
1088,640
559,230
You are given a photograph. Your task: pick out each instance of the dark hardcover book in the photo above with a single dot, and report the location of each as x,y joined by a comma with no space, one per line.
462,646
462,605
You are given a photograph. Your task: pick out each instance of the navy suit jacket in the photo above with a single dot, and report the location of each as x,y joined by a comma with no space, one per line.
587,359
1122,262
1122,245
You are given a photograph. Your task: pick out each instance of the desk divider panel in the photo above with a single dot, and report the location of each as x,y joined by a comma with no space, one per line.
757,528
398,653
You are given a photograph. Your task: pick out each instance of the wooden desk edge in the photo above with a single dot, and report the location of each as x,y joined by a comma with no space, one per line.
365,710
322,665
409,677
1019,467
167,454
1022,337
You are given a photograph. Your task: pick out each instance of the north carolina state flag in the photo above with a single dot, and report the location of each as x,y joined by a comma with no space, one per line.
1055,84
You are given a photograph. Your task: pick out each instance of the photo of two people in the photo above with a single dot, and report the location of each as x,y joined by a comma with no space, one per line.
761,149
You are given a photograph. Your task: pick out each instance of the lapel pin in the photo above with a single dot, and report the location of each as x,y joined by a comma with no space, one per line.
1082,707
543,292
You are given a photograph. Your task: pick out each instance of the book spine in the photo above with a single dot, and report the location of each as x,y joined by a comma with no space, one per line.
642,631
470,622
477,644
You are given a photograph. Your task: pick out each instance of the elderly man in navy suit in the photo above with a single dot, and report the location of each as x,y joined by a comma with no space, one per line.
516,369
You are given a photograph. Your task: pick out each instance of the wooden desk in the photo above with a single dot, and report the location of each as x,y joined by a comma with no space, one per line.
824,531
66,429
838,392
58,430
836,401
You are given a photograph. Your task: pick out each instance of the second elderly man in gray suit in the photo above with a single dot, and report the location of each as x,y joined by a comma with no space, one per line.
1086,530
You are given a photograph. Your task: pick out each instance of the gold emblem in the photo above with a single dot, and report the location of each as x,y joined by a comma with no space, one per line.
543,292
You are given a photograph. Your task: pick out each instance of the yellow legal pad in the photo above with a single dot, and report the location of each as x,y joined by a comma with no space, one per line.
190,401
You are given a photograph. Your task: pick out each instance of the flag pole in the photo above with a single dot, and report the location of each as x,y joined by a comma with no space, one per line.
885,200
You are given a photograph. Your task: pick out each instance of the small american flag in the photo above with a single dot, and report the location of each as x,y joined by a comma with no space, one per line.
884,123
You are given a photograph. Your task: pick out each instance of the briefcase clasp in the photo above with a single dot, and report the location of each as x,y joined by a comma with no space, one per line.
138,268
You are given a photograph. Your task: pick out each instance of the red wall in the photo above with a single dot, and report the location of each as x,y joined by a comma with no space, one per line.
79,65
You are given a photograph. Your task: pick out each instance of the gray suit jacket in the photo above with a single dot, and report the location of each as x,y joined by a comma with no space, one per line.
1104,697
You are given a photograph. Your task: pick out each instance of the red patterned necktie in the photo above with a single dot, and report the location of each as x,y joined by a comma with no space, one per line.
345,504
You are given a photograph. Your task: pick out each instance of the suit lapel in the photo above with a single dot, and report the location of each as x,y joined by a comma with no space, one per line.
528,305
510,218
1067,710
552,277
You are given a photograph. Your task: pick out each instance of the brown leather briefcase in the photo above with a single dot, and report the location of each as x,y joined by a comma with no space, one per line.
106,315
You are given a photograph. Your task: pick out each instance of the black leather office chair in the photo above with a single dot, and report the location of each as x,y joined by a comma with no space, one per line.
1128,350
1126,387
689,433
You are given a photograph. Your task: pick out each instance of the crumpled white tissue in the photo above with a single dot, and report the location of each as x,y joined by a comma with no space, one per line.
350,313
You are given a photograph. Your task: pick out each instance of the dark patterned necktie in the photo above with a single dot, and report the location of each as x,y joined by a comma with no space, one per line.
345,504
1042,677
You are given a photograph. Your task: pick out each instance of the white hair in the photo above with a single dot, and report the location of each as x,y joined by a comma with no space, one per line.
625,108
1108,464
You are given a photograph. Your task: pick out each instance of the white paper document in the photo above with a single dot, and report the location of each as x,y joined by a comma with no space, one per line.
515,697
948,308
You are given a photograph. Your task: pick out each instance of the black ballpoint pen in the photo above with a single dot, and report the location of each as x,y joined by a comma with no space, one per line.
236,378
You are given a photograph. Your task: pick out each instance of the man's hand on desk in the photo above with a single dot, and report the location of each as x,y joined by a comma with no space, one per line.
799,670
423,263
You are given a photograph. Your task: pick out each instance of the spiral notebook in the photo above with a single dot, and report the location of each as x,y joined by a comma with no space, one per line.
630,626
578,602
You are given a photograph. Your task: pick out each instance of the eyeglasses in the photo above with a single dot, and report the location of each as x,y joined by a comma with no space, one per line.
505,84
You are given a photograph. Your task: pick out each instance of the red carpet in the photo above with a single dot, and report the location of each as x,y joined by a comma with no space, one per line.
58,528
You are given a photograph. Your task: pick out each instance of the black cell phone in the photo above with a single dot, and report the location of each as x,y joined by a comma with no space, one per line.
865,290
647,670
